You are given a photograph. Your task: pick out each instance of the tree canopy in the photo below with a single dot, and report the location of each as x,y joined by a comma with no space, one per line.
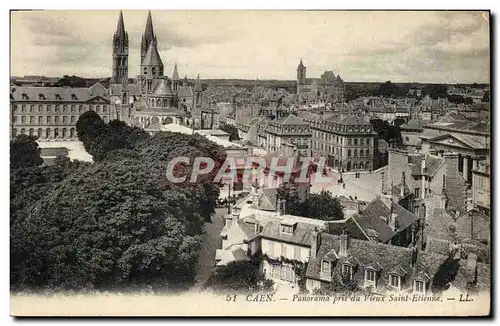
118,222
24,152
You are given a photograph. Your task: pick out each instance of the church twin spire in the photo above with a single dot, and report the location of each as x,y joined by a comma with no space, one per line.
148,38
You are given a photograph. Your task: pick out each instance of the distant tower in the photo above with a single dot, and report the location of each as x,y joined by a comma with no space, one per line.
175,79
120,53
148,37
151,64
301,75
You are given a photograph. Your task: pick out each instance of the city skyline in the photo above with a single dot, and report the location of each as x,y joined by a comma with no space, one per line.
437,47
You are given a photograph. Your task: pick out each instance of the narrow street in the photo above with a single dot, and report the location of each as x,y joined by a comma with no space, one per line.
211,242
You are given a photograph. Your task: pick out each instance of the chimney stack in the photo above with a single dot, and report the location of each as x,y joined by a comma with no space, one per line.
315,242
403,183
344,244
424,171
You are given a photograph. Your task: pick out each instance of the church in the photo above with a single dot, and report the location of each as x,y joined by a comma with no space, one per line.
328,88
154,98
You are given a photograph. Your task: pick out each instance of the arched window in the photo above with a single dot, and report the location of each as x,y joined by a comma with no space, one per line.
145,70
153,71
47,133
63,132
23,131
39,133
14,132
31,131
56,133
72,133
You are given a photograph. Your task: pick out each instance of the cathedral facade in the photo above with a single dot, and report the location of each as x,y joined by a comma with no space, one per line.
154,98
328,88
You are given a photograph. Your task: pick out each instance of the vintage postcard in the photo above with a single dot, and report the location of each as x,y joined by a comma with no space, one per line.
250,163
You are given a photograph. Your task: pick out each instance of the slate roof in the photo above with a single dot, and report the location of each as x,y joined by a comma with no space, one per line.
116,89
432,164
414,124
371,218
291,119
301,235
185,91
162,89
354,120
152,57
267,201
387,257
49,94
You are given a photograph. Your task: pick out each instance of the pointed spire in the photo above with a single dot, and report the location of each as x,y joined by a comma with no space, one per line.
197,85
120,28
175,75
148,32
152,57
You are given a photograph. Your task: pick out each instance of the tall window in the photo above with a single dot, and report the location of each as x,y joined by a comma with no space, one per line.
23,119
56,133
47,132
326,266
32,119
39,132
283,250
349,141
370,275
419,286
347,271
271,249
395,281
367,152
348,153
355,141
49,119
417,192
40,120
65,119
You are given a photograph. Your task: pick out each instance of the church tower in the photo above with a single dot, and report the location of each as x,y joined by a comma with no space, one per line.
148,37
301,75
120,53
151,64
175,79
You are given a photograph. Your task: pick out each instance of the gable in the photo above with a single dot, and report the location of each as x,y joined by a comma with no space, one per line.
98,99
450,140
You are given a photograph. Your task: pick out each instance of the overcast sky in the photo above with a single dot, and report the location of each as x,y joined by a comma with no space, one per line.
448,47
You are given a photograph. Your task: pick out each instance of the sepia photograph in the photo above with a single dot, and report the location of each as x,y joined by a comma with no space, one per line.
250,163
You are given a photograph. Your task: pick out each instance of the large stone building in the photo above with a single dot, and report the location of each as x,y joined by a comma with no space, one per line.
52,112
328,88
346,141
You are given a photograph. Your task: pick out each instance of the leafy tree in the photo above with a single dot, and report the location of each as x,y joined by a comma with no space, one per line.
293,206
435,91
239,276
445,274
108,225
324,206
24,152
231,130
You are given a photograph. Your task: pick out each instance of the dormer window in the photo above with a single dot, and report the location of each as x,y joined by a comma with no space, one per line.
287,229
326,266
25,96
419,286
395,281
73,97
41,97
347,271
370,276
58,97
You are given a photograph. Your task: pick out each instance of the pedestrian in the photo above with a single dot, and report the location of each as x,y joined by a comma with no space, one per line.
343,185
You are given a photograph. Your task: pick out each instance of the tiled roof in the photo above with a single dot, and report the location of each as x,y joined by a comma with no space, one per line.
371,218
385,257
152,57
291,119
354,120
162,89
413,124
63,94
300,236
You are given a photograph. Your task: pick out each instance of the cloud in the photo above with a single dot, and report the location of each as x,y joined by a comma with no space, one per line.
360,46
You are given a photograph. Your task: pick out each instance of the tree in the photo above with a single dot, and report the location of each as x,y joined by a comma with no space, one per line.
24,152
289,194
445,274
108,225
239,276
231,130
324,206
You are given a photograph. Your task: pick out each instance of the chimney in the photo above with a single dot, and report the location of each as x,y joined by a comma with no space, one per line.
315,242
257,227
423,172
414,256
403,182
344,244
255,199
